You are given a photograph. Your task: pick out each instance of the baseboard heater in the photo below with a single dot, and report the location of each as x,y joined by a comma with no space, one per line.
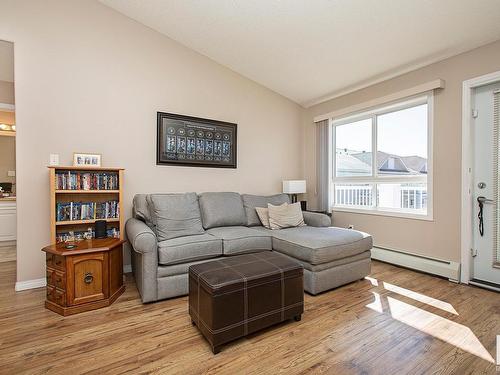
444,268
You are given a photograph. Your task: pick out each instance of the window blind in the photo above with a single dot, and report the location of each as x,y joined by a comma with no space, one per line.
496,174
322,165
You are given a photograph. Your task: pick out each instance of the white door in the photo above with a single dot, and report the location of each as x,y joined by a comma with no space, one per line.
486,187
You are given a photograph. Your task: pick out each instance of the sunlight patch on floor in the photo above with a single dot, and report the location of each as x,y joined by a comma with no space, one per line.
445,306
498,351
444,329
376,304
373,281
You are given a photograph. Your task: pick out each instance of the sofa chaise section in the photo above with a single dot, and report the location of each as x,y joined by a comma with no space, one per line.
331,256
320,245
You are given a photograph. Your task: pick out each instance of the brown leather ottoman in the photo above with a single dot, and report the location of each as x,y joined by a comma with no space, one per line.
232,297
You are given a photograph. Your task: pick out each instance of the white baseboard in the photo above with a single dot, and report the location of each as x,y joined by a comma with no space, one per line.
30,284
40,283
444,268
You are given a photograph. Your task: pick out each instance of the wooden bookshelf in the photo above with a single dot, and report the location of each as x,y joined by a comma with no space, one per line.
83,195
87,191
91,221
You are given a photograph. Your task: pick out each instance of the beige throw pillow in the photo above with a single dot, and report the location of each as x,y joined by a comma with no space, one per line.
263,214
285,216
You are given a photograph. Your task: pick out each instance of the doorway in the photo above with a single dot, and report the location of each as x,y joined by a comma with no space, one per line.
8,204
481,266
485,238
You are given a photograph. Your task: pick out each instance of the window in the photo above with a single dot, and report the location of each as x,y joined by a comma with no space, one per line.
381,160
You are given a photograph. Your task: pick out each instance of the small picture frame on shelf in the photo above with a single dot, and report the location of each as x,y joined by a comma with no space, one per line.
86,160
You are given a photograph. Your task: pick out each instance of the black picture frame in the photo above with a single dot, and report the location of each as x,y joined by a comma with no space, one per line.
195,142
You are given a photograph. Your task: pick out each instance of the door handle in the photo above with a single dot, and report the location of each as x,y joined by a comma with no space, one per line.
481,201
485,200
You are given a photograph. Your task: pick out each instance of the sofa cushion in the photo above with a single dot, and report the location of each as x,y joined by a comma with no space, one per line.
252,201
319,245
189,249
175,215
222,209
238,240
141,209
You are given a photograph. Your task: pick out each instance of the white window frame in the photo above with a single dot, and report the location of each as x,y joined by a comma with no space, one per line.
426,98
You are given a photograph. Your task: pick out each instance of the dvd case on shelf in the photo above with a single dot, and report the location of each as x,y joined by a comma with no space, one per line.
70,180
71,211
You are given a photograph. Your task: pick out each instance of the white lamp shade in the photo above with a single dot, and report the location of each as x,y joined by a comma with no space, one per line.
294,186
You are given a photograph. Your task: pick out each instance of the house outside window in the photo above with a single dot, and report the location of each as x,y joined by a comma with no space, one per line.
382,160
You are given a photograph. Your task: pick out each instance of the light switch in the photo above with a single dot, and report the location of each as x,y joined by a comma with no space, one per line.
54,159
11,173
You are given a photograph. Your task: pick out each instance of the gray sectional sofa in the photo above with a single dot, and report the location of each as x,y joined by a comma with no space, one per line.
170,232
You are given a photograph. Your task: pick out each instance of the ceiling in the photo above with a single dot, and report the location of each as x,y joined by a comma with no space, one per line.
313,50
6,61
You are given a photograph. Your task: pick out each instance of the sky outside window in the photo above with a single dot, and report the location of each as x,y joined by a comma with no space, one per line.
355,136
402,133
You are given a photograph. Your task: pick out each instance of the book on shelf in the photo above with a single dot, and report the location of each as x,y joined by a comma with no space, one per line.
71,211
71,180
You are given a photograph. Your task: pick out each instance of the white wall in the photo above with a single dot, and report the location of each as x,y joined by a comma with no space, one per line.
89,79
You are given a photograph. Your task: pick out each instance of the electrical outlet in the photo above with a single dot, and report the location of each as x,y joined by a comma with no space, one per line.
350,226
11,173
54,159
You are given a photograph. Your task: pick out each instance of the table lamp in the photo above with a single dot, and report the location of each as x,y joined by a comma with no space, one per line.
294,187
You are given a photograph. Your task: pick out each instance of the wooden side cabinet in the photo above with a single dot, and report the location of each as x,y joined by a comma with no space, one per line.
86,277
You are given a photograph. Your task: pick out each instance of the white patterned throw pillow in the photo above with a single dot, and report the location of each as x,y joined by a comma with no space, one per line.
285,216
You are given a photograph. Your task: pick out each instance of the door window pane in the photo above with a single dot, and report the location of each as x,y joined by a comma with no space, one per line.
402,142
353,149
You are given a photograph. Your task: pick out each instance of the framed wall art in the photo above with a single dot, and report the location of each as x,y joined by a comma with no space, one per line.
195,142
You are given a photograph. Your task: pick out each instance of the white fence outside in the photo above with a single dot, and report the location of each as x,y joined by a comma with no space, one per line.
398,195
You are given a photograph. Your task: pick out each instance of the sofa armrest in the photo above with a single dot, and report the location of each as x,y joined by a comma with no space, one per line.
144,258
315,219
141,237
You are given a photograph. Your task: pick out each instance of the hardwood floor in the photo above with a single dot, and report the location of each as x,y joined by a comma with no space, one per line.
395,322
7,253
